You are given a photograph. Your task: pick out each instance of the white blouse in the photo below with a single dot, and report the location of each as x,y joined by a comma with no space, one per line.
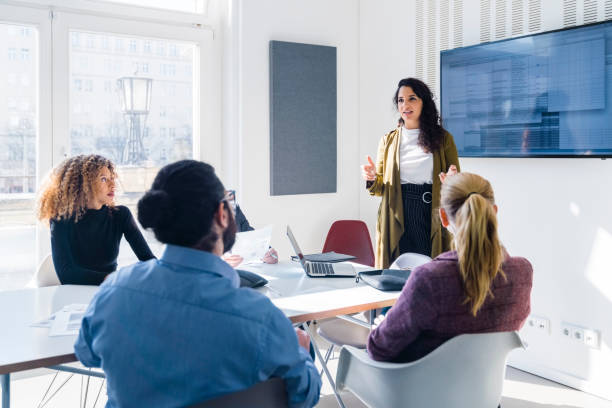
416,166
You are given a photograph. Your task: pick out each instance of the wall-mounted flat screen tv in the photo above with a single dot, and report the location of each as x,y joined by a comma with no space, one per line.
543,95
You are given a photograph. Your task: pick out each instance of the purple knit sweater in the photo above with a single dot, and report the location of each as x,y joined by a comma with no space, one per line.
430,309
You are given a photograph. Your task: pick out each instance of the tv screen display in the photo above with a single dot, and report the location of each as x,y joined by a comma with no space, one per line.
544,95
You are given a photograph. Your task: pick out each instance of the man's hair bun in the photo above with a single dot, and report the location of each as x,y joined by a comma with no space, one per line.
154,209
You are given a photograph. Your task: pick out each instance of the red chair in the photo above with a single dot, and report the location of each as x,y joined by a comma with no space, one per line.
350,237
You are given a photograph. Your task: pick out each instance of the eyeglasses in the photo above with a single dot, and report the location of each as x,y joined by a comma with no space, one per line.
230,197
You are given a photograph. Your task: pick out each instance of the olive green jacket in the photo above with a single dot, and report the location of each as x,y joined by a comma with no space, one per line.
390,224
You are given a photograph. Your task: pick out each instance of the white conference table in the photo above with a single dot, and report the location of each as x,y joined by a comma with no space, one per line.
300,297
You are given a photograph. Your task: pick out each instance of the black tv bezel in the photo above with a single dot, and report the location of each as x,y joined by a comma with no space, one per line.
526,156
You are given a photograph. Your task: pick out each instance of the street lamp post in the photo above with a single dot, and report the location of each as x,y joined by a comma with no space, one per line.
135,93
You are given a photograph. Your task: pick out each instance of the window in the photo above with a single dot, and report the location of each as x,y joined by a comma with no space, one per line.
89,132
83,63
77,109
75,39
187,6
18,155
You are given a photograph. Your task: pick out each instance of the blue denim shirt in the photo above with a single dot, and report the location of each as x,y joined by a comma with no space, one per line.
177,331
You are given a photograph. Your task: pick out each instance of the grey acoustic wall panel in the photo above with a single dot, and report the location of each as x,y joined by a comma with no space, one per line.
302,118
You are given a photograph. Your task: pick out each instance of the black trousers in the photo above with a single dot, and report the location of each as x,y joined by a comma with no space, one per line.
416,200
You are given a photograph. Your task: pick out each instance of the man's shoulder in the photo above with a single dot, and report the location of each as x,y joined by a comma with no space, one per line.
252,305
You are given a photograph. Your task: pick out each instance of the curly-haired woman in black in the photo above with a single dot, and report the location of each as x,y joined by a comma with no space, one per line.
77,200
412,162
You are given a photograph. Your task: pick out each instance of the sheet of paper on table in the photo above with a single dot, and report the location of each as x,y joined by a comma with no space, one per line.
65,322
253,245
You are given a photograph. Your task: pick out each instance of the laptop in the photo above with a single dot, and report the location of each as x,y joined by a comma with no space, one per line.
321,269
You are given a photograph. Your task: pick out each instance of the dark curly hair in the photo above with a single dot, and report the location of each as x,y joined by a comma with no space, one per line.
430,124
67,189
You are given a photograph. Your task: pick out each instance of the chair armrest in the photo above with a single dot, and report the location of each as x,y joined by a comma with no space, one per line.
361,365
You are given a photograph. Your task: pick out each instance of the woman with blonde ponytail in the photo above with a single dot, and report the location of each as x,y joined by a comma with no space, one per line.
478,287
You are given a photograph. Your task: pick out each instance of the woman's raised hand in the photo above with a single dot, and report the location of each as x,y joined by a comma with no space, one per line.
368,171
452,170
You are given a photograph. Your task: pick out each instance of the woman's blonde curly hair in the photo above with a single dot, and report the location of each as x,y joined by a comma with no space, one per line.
69,186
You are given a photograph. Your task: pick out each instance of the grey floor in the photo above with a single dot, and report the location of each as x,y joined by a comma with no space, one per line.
521,390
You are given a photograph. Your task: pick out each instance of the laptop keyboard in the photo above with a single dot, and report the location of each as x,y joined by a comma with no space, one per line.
320,268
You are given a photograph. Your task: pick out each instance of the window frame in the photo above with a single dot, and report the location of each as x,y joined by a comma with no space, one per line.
39,19
54,21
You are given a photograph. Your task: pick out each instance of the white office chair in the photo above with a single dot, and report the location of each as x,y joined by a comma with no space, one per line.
410,260
45,275
465,372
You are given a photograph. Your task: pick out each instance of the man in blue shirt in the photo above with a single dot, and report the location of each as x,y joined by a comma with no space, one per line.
177,331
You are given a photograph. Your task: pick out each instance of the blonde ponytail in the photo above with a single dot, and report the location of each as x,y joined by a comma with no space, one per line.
468,201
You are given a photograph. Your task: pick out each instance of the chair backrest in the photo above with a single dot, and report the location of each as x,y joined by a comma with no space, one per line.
465,372
45,274
409,260
350,237
266,394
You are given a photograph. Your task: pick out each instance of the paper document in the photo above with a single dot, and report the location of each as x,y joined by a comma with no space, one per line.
67,321
253,245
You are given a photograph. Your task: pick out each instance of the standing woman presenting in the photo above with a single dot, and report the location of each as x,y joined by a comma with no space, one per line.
412,162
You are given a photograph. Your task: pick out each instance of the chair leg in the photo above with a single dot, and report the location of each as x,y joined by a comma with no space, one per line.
327,356
86,391
324,365
42,404
97,396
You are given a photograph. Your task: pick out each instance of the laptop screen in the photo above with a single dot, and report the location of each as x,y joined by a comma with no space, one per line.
295,246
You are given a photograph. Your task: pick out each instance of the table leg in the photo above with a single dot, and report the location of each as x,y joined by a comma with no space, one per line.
5,379
323,364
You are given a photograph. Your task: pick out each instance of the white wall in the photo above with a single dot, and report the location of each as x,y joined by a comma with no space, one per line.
387,51
250,25
555,212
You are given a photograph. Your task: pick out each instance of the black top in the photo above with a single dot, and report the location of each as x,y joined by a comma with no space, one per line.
241,221
86,251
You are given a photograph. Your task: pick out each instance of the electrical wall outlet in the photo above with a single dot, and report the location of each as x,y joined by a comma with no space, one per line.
539,323
588,337
591,338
